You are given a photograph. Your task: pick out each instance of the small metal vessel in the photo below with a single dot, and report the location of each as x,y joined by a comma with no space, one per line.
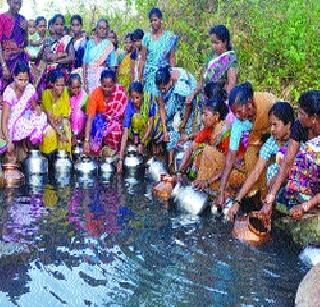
190,200
12,176
133,163
85,166
36,163
63,164
106,168
156,169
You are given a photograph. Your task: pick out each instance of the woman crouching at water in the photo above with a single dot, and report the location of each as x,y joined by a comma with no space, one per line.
281,118
248,131
106,107
22,118
301,165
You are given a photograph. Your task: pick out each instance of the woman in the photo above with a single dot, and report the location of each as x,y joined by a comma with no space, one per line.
158,51
136,54
56,103
79,42
106,108
99,55
58,51
223,67
176,115
301,164
21,116
249,129
281,118
124,62
13,40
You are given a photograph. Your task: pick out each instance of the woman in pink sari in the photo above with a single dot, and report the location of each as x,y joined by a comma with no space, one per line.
13,40
21,116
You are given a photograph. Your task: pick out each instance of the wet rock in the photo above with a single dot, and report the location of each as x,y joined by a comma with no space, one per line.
308,293
11,252
304,232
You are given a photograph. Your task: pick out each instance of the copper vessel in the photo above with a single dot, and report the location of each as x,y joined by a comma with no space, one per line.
12,176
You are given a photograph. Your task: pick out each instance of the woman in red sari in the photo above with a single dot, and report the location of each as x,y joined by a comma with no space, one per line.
106,108
13,40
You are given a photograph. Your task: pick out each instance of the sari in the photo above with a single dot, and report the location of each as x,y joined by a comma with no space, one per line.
13,42
213,160
78,116
24,123
157,56
60,111
175,106
304,177
98,57
124,77
108,116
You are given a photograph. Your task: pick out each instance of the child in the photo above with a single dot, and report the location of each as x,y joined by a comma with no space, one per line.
136,54
137,124
281,118
124,62
33,48
214,113
78,102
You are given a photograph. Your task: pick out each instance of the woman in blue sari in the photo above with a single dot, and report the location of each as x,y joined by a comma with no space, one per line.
158,51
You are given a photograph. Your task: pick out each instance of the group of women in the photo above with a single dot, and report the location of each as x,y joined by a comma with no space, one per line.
69,87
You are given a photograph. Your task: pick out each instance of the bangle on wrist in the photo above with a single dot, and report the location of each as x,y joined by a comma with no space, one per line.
306,207
86,139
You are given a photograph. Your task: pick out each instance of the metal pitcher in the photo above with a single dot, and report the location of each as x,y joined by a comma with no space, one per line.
86,166
63,164
190,200
106,168
156,169
36,163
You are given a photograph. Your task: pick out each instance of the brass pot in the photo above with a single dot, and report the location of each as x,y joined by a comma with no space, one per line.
12,176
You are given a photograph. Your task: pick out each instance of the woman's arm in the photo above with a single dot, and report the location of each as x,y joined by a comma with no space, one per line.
142,61
124,140
85,78
252,179
232,77
186,158
187,113
298,211
172,58
4,121
68,57
230,161
86,147
163,116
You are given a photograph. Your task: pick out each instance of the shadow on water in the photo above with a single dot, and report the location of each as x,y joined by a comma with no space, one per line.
111,243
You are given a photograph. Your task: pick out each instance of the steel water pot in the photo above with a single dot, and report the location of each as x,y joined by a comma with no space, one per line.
156,169
190,200
85,166
63,164
36,163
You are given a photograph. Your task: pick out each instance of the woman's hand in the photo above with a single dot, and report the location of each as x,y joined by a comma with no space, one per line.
221,200
166,136
140,149
119,166
200,184
234,210
6,72
37,110
297,212
183,139
10,148
190,98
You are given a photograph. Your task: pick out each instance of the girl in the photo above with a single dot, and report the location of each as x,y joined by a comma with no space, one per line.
56,104
301,164
281,118
137,122
78,102
136,54
176,115
21,115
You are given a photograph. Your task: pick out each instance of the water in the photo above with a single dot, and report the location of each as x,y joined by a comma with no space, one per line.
112,245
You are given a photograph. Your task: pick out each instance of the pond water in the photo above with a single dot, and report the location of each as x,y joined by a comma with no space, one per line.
111,244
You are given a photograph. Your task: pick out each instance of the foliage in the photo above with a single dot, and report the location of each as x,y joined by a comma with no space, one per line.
276,41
